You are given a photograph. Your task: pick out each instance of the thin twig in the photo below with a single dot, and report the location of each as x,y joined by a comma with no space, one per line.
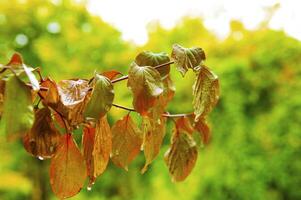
163,115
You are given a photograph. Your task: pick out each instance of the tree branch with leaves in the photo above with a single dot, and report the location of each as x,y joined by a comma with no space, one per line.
45,114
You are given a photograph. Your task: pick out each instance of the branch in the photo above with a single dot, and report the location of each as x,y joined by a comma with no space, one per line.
163,115
127,76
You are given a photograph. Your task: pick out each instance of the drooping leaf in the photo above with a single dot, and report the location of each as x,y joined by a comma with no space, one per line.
67,169
205,92
43,138
148,58
101,99
18,114
72,94
203,128
127,140
88,145
186,58
111,74
2,91
182,155
153,135
101,149
146,85
51,96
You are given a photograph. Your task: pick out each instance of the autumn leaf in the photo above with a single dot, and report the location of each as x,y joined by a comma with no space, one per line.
101,99
67,169
18,114
148,58
186,58
51,96
146,85
72,94
153,135
111,74
98,157
203,128
205,92
182,155
43,138
2,91
127,140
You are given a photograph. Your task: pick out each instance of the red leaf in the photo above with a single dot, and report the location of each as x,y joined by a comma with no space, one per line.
111,74
67,169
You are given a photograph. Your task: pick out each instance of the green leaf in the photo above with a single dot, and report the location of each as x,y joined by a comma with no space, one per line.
205,92
101,98
148,58
146,85
186,58
18,114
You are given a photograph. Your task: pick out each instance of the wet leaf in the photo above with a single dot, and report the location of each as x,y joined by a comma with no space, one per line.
51,96
18,114
146,85
205,92
88,145
153,135
43,138
72,94
67,169
186,58
148,58
99,157
101,99
127,140
182,155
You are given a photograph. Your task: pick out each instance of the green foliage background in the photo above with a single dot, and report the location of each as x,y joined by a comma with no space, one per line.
256,128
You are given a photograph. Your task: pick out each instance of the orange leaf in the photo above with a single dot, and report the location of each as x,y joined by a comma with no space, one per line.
88,145
203,128
111,74
51,96
127,139
153,134
67,169
43,138
182,155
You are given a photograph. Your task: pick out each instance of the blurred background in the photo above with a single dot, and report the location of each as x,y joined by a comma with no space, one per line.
253,46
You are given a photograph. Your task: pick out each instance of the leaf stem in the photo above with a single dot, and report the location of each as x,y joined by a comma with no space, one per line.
127,76
163,115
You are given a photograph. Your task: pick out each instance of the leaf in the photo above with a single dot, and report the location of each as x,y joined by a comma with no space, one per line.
203,128
43,138
205,92
99,157
88,145
51,96
148,58
2,91
72,94
127,140
153,135
101,99
146,85
182,155
111,74
186,58
16,63
18,114
67,169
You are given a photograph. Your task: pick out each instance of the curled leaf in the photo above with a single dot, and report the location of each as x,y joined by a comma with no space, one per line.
186,58
127,140
101,99
51,96
148,58
182,155
72,94
18,114
67,169
205,92
153,135
146,85
43,138
203,128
